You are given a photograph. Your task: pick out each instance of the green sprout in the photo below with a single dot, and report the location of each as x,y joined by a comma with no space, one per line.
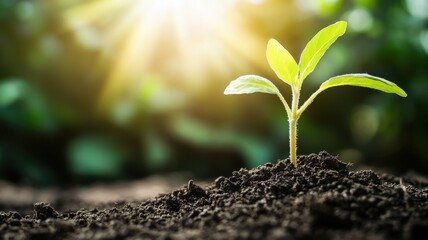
286,68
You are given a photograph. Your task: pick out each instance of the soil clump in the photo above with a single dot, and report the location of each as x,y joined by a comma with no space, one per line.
320,199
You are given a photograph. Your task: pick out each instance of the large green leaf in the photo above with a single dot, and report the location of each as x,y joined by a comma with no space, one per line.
281,61
363,80
251,84
317,46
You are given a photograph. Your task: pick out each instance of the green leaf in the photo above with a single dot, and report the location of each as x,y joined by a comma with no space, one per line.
250,84
317,46
281,61
363,80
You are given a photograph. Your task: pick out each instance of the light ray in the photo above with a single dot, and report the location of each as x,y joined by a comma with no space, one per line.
183,41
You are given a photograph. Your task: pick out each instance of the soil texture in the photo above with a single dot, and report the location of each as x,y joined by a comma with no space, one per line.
320,199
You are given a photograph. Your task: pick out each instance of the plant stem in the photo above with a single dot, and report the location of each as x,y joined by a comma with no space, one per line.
287,108
308,102
293,140
293,126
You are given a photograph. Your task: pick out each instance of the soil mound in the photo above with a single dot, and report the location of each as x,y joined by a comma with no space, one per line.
320,199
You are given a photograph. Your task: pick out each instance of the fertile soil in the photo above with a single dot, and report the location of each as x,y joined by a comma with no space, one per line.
320,199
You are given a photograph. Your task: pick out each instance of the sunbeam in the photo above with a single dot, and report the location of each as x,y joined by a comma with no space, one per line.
184,41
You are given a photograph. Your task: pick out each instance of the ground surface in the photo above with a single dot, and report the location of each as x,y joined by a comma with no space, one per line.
321,199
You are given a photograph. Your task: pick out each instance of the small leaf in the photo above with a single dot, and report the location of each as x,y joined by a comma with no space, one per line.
363,80
250,84
281,61
317,46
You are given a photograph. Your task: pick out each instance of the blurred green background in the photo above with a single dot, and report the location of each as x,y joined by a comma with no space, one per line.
105,90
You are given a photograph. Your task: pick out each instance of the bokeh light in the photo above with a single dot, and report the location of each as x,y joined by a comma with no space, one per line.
182,41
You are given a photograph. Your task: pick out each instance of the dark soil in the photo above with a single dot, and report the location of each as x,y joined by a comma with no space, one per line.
321,199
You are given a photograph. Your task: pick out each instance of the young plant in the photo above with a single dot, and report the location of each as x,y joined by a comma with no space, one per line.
286,68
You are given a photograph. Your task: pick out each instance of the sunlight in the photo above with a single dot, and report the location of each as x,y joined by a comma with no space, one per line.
184,41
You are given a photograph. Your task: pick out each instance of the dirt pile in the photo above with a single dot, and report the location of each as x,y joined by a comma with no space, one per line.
321,199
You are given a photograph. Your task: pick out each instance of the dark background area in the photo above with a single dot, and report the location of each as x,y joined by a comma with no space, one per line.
118,90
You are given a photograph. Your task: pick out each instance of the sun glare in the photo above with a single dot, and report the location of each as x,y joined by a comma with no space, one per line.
186,41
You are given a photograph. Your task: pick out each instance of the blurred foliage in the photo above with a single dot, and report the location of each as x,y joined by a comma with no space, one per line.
95,156
159,119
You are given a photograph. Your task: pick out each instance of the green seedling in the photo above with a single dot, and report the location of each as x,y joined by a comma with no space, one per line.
286,68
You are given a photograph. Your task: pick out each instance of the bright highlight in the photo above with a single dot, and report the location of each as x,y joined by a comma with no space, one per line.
183,41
